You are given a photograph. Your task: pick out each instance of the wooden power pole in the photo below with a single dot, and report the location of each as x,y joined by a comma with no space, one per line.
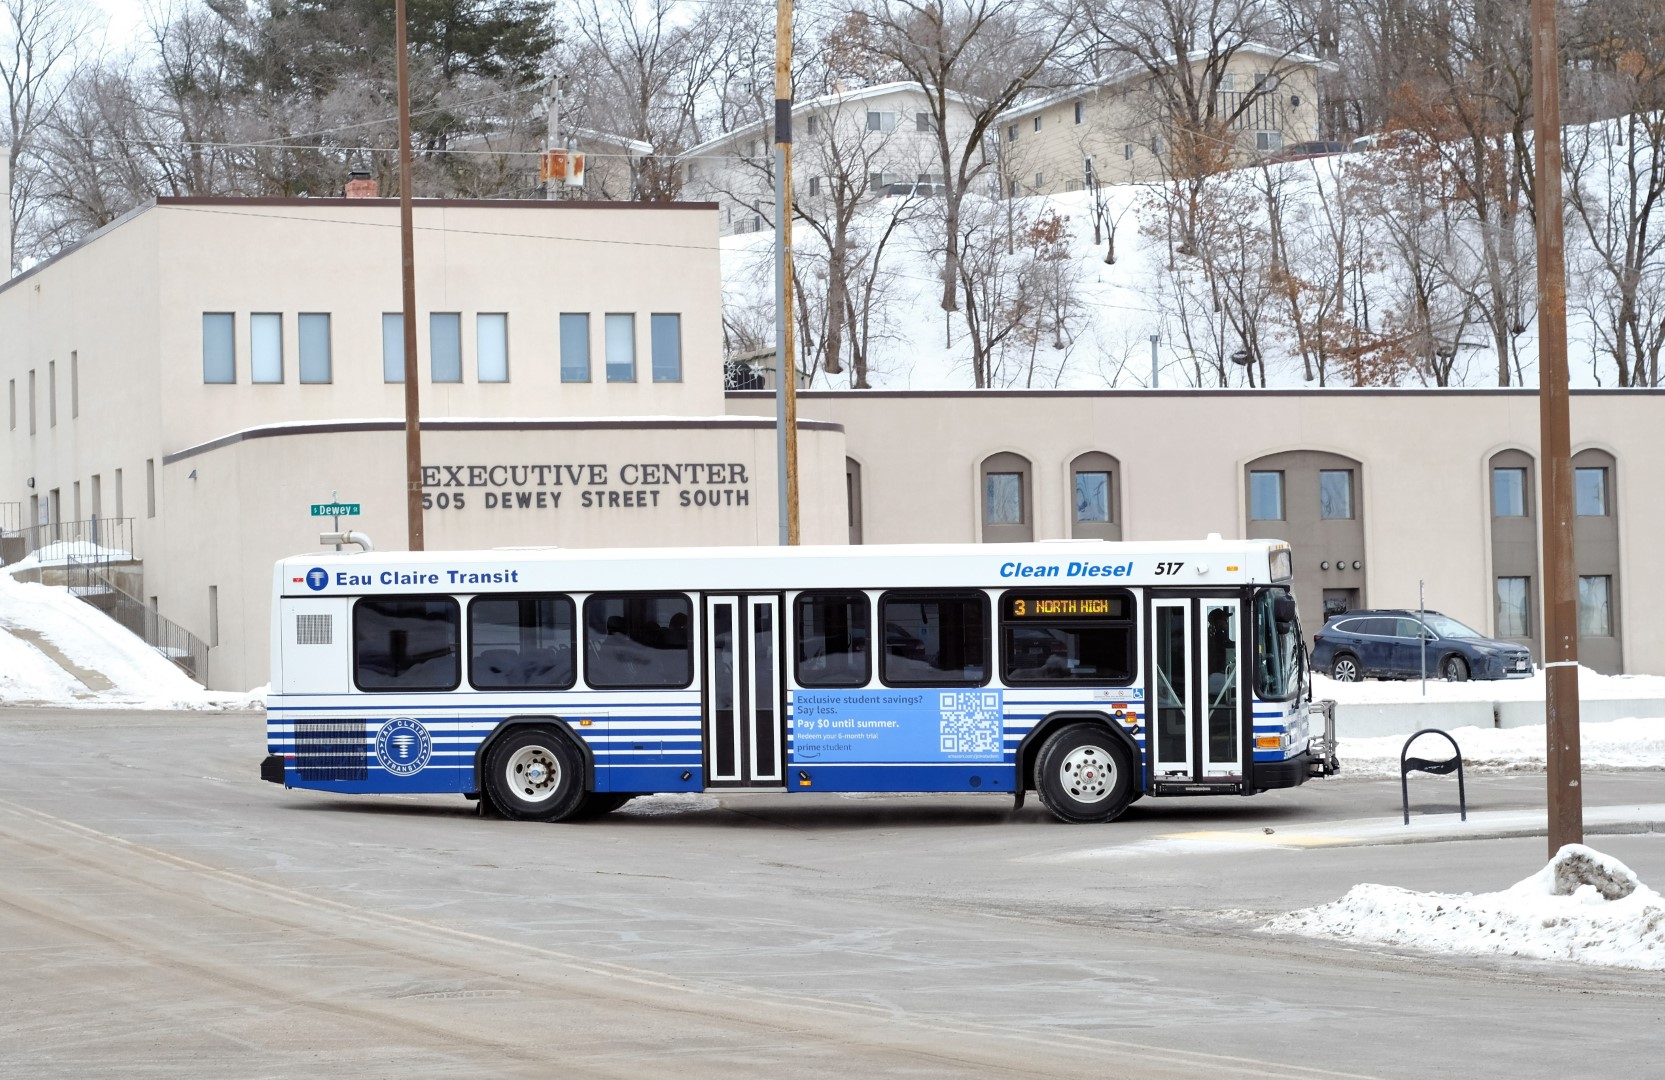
407,251
786,368
1566,795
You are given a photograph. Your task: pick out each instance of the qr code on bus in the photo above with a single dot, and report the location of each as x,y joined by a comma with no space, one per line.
971,722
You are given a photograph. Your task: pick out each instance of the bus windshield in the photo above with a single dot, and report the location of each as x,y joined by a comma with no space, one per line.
1277,647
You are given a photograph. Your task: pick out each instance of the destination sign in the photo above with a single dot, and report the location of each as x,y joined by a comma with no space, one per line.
1079,606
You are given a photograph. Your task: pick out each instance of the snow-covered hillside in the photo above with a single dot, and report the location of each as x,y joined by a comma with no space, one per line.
56,650
1360,265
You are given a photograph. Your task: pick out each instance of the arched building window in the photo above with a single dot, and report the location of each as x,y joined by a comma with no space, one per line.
1512,477
1313,500
1596,558
1005,499
1096,496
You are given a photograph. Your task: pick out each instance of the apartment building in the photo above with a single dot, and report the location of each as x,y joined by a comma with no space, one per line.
1117,131
874,142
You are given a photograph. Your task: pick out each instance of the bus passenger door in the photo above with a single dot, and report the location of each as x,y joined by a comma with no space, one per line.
744,718
1195,701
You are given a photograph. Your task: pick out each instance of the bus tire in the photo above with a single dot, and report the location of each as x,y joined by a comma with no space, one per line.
534,774
1084,774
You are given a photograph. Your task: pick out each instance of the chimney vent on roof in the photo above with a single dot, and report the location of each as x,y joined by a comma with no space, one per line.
360,185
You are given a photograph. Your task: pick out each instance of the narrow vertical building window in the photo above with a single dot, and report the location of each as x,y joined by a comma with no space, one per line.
1590,492
393,346
445,346
1092,497
120,505
491,347
1514,609
1003,499
575,347
1508,492
150,487
11,395
265,347
1266,496
31,401
219,347
1595,606
314,338
51,393
621,348
74,385
667,347
213,615
1335,493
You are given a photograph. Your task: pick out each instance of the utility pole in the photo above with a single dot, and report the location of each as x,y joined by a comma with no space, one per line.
1566,795
1153,367
552,137
407,252
786,368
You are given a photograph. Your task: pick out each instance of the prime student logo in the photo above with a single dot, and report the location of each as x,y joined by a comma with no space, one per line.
403,746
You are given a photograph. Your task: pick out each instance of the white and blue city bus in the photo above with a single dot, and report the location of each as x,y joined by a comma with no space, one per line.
557,684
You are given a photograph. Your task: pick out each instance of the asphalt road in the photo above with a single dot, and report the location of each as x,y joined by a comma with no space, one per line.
163,913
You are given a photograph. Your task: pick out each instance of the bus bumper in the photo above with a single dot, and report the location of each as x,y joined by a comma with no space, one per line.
271,769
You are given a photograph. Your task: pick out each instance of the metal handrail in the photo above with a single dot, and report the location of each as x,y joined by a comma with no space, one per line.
112,538
92,583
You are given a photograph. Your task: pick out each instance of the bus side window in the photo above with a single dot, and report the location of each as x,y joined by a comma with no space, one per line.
521,642
638,641
935,638
407,643
832,635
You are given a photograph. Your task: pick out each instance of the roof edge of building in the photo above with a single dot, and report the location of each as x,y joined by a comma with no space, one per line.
441,423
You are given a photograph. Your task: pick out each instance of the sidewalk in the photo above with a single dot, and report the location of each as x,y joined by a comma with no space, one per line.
1425,828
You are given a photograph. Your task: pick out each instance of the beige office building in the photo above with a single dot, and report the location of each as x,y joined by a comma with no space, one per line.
201,374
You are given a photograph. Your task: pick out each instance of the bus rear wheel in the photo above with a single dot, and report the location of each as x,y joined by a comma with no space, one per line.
534,774
1084,775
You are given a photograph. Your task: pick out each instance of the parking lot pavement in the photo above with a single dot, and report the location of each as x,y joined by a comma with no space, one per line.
163,913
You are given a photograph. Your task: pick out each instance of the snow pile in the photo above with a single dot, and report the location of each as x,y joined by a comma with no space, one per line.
1635,743
63,552
1583,907
92,641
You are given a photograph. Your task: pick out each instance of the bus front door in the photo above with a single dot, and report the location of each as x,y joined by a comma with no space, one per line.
744,720
1195,701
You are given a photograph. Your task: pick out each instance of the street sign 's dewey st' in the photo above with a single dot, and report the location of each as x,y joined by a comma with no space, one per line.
335,509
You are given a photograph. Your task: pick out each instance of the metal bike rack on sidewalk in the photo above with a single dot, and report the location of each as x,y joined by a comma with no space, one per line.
1442,767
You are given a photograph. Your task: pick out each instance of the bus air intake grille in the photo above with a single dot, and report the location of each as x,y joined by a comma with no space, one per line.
312,630
330,749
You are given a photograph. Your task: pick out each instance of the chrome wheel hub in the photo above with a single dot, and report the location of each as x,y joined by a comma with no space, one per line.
1087,773
533,773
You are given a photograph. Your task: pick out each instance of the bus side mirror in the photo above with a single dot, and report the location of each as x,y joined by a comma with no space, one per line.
1283,609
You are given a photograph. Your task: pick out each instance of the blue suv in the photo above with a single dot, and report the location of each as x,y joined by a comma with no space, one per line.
1388,644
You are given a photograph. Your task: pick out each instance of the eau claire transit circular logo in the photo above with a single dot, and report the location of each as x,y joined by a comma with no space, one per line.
317,579
403,746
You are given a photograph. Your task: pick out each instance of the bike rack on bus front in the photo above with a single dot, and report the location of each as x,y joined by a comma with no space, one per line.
1443,767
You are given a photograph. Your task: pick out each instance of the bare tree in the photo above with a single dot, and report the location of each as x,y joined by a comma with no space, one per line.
973,59
38,42
642,70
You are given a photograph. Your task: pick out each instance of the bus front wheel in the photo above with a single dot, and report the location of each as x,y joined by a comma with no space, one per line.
534,774
1084,774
